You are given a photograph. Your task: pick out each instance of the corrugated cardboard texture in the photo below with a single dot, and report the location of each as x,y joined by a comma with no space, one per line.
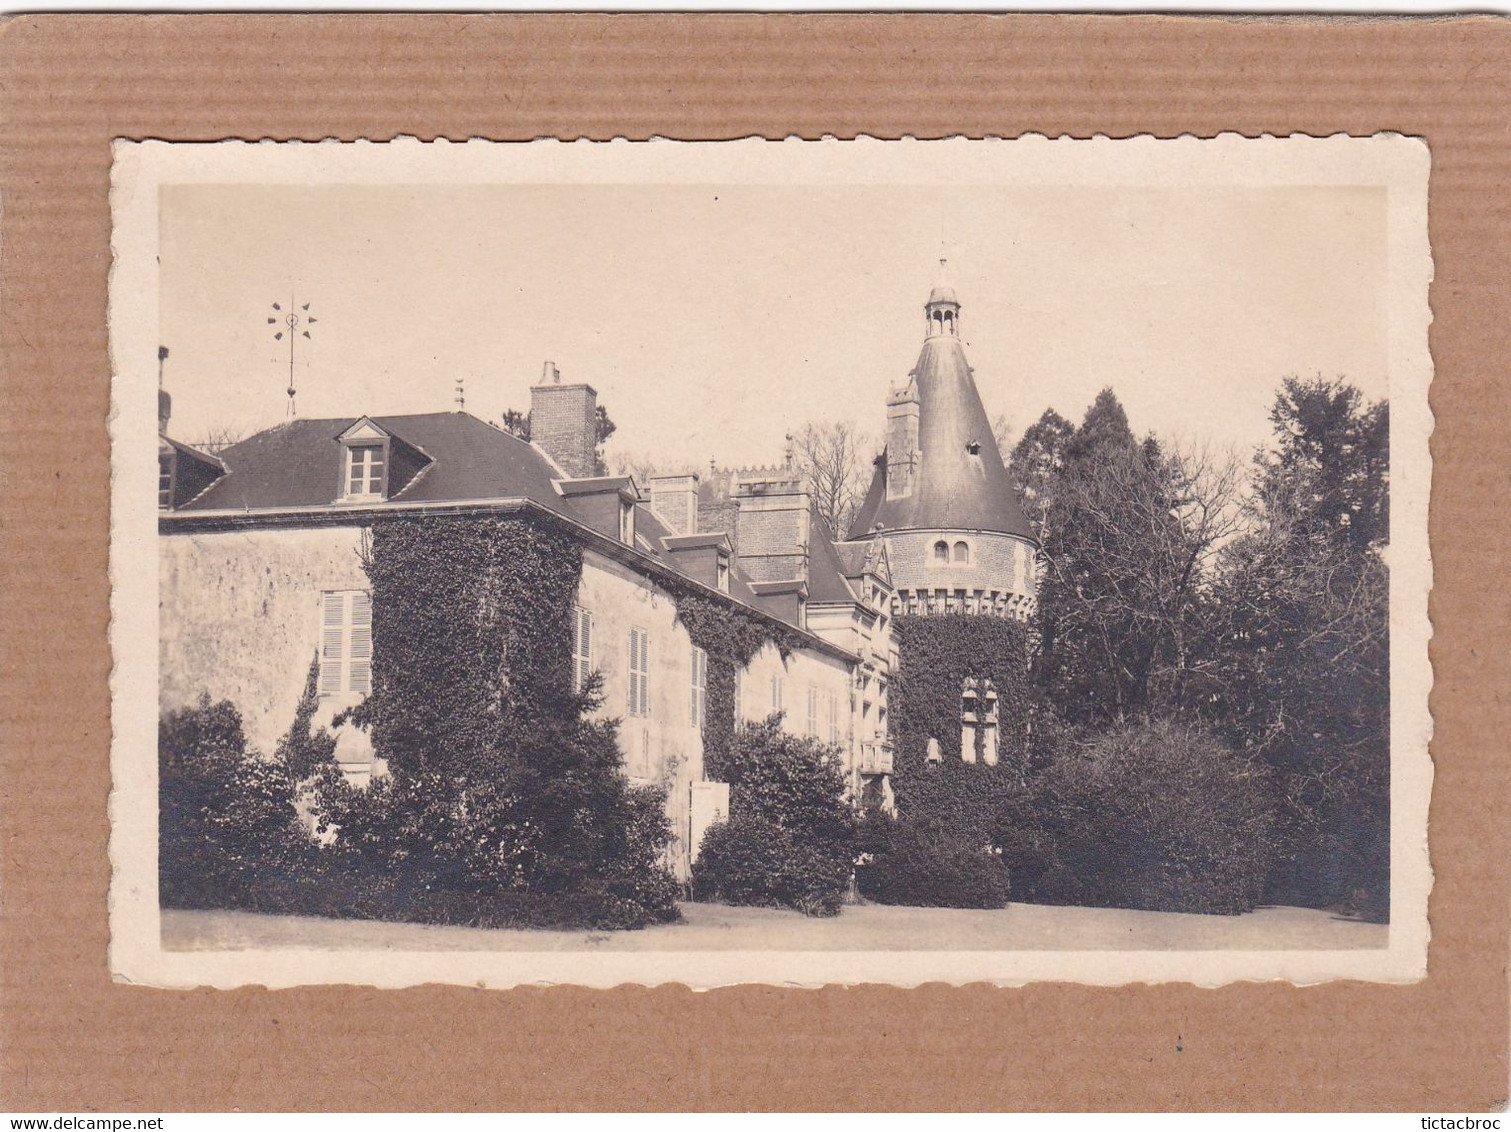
73,1041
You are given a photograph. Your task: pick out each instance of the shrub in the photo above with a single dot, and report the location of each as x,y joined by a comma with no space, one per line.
226,818
303,750
790,838
443,849
1154,815
753,861
927,865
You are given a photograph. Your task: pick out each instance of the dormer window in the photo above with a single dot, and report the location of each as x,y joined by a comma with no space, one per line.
183,473
626,522
974,448
723,574
364,471
376,464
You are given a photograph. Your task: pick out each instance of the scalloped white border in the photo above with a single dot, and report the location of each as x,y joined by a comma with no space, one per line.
1398,163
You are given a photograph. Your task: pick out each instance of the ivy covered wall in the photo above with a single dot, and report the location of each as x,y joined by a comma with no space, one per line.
472,639
731,637
936,656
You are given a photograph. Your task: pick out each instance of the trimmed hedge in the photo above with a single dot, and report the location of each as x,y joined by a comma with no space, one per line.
925,865
1159,816
790,838
752,861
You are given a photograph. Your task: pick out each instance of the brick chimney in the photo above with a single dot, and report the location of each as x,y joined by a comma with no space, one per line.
902,442
564,422
674,499
772,529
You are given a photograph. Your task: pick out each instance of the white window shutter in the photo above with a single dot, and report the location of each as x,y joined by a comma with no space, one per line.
631,687
645,673
587,647
637,671
332,642
361,643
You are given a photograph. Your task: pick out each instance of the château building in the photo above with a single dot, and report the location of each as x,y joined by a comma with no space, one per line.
275,524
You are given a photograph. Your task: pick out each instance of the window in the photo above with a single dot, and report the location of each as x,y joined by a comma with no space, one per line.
962,554
978,721
364,471
813,711
941,553
639,673
164,480
582,648
776,693
346,643
699,688
626,523
833,718
723,574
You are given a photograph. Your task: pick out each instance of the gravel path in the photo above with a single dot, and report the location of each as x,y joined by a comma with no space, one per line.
714,927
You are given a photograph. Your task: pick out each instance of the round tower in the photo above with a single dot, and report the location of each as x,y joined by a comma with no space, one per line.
956,536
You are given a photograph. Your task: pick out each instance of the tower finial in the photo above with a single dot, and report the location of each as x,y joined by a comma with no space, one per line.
942,311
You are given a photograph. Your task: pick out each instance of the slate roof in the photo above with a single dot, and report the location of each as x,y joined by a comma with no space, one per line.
954,489
299,464
192,453
826,571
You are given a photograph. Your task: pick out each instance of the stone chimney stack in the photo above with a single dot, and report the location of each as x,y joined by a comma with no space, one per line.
564,422
772,528
674,499
902,442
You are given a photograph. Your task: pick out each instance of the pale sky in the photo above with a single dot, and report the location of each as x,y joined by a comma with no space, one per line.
713,319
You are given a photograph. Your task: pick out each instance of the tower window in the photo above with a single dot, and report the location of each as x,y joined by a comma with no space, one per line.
941,552
978,721
974,448
962,554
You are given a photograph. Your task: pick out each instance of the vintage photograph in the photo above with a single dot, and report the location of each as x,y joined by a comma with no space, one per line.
797,562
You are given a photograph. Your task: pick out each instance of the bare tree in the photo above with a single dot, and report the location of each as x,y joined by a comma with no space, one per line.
1132,539
833,459
1002,433
641,465
218,439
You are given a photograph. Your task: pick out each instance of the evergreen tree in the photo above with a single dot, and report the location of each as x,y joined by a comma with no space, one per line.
1304,608
1129,535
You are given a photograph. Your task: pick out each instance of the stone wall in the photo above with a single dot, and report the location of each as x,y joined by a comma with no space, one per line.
239,618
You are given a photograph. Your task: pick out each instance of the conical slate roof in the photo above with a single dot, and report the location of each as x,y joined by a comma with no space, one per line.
961,483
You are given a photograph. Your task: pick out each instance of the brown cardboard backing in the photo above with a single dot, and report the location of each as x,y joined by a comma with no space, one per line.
73,1041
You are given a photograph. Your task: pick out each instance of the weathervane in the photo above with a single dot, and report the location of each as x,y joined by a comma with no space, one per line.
289,323
461,394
